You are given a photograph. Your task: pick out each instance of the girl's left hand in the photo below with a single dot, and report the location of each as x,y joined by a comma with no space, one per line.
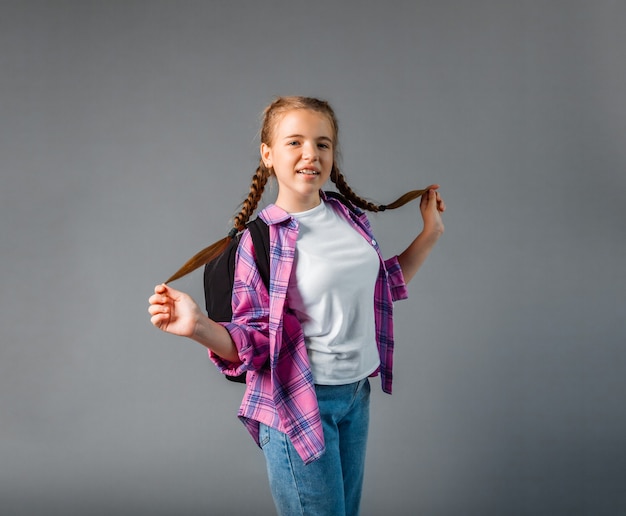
431,207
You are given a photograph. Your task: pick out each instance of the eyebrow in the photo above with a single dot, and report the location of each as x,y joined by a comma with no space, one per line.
301,136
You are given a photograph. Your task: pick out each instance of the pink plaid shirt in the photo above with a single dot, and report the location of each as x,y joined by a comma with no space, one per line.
280,391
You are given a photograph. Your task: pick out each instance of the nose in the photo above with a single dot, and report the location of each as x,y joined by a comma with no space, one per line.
310,151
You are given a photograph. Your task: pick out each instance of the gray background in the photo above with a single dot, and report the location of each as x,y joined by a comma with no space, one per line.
128,135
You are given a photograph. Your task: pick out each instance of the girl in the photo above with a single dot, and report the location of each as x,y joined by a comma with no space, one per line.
310,343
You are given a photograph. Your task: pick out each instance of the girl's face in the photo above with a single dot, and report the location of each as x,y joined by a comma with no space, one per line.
301,154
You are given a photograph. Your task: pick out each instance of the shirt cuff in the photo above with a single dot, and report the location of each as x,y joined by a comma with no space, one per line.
397,285
252,347
226,366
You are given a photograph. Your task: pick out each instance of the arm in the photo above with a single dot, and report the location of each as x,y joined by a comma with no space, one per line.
175,312
431,208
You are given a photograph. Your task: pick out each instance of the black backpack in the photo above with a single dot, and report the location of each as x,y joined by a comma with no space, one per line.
219,276
219,273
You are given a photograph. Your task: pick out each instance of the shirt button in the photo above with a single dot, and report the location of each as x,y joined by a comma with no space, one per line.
373,242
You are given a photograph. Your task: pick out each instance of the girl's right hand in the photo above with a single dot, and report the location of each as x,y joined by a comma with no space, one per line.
173,311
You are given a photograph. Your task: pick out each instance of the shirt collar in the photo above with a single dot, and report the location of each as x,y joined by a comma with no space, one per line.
272,214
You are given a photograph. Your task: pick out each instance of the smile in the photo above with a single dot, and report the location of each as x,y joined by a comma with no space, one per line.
308,172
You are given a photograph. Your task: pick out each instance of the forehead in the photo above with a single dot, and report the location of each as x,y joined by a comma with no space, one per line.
304,122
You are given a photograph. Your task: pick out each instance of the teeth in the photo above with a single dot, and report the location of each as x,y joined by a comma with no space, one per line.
308,172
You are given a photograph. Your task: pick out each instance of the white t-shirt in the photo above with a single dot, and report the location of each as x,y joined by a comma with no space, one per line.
331,291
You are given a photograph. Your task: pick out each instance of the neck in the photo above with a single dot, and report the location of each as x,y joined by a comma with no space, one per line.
297,204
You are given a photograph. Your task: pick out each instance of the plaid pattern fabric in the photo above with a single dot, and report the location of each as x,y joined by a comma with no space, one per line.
280,391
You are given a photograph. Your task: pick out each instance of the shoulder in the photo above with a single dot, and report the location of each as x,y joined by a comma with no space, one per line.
341,205
337,199
272,214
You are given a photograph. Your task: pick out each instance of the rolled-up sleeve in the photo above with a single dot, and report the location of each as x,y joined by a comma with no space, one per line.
252,347
395,278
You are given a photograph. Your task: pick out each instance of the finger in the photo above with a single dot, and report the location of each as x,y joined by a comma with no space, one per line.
433,197
428,199
159,320
441,206
170,292
158,309
158,299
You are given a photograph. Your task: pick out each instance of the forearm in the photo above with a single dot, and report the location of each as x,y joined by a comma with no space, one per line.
215,337
412,258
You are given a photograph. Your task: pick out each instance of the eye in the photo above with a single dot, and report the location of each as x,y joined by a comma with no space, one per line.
323,145
293,143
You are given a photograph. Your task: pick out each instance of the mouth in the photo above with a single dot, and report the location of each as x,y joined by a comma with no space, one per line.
308,172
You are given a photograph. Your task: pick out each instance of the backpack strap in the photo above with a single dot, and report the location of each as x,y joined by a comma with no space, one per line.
260,233
342,200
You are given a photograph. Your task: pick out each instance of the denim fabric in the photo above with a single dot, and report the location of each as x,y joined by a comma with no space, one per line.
331,485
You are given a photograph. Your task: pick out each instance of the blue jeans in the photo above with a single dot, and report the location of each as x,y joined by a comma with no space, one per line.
332,485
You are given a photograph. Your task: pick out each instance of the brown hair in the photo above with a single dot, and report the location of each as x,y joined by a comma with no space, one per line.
272,115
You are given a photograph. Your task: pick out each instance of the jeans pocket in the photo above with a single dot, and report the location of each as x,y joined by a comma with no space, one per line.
264,435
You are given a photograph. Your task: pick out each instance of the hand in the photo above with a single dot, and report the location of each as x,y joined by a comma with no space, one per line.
431,207
173,311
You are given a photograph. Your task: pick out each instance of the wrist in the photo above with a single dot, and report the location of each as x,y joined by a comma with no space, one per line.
430,235
201,330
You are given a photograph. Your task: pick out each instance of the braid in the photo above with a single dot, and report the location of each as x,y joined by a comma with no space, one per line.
271,117
340,182
259,180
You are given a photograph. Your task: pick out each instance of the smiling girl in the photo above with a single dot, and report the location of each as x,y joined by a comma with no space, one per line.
325,326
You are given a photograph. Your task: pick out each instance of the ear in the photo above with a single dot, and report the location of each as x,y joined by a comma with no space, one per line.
266,155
